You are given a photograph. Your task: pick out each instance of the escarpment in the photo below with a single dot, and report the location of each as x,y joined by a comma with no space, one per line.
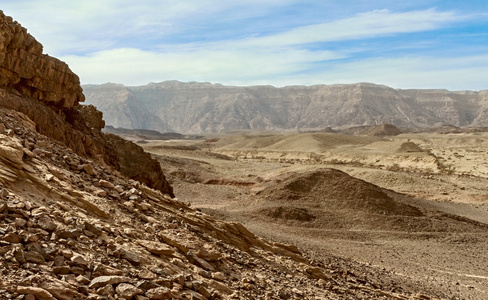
45,90
24,68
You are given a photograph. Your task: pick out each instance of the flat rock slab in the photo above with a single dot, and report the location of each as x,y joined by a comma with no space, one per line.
101,281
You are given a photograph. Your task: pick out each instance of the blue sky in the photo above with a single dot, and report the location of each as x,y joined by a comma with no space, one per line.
416,44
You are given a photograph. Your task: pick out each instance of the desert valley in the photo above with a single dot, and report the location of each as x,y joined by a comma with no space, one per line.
212,192
410,207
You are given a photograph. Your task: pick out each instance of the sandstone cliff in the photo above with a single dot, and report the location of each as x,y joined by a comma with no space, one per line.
45,90
194,108
24,68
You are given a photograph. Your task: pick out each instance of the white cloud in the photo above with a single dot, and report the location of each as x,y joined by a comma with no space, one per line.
364,25
134,43
289,67
136,67
65,27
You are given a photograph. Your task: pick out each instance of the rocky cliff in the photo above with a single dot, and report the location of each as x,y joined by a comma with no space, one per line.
47,92
194,108
24,68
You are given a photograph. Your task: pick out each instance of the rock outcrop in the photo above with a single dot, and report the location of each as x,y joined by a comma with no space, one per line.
195,108
46,91
24,68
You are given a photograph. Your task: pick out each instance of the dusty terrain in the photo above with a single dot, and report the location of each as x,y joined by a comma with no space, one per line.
405,211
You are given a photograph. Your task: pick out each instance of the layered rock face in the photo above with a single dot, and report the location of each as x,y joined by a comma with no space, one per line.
195,108
48,93
24,68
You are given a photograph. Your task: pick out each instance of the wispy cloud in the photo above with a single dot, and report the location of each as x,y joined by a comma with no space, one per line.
364,25
278,42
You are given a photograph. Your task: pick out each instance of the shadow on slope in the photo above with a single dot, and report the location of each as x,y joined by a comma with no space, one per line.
331,199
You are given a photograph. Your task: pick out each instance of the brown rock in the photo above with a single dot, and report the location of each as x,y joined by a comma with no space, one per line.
218,286
128,291
195,295
47,224
68,234
93,229
77,270
59,261
204,291
89,169
60,290
157,248
100,193
48,93
39,293
13,238
61,270
147,285
199,261
107,290
34,257
108,271
159,293
208,253
79,260
12,156
30,297
218,276
174,243
20,222
139,165
106,184
316,273
130,256
19,255
146,274
3,206
101,281
83,280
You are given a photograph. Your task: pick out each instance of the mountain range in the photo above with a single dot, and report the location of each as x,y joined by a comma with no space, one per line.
195,108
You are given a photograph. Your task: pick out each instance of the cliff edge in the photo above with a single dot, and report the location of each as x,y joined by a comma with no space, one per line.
45,90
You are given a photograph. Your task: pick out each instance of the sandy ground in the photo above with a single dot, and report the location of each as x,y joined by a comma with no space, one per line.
445,176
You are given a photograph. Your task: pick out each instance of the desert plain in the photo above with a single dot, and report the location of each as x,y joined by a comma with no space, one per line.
409,210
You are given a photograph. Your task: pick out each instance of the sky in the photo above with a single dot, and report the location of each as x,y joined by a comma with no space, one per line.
402,44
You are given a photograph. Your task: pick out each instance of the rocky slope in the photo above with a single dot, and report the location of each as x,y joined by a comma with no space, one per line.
74,229
203,107
47,92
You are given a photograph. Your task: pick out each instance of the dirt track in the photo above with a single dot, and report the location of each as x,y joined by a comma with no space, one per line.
433,238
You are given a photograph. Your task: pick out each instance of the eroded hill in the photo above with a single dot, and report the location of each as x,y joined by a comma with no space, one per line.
412,204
